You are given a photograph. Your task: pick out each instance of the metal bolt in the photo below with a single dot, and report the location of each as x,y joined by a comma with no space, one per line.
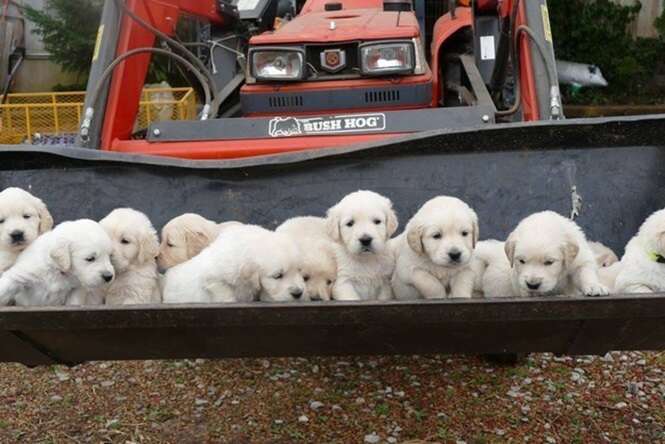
333,26
485,118
156,132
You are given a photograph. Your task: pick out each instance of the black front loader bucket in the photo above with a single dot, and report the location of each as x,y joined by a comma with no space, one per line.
616,166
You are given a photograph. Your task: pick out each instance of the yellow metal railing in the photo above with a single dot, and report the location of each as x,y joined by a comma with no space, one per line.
22,116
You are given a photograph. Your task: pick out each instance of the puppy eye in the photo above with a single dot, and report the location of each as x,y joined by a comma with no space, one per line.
437,236
377,221
2,221
328,282
350,223
124,241
548,263
305,278
26,216
90,259
170,245
465,233
522,261
278,275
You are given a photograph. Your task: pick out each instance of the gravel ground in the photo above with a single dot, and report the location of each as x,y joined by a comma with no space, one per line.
547,399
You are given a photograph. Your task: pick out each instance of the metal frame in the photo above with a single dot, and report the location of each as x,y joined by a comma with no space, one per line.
72,335
256,128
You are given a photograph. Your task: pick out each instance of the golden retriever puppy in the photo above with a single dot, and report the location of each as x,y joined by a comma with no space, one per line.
73,255
307,226
23,217
361,225
642,268
433,254
550,255
135,248
491,270
184,237
319,268
244,264
604,255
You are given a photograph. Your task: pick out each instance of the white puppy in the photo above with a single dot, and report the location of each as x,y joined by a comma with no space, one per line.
75,254
319,268
245,263
433,254
642,267
23,217
604,255
135,247
184,237
307,226
492,270
361,225
550,255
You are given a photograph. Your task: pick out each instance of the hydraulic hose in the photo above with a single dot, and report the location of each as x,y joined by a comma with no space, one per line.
89,112
555,96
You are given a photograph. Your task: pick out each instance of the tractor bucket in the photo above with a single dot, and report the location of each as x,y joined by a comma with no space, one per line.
609,170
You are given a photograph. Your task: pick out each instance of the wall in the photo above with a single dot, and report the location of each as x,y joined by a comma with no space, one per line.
38,73
650,10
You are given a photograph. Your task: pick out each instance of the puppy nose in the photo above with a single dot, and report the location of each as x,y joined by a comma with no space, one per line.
17,236
365,240
454,255
296,293
533,285
107,276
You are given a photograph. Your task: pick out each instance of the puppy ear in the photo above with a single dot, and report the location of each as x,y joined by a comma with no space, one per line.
61,255
45,218
414,237
148,246
200,237
332,224
509,248
475,232
570,250
250,273
391,222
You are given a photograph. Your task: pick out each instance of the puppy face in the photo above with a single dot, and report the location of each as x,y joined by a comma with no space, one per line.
280,273
363,222
446,237
134,238
23,217
319,272
183,238
85,252
652,233
539,265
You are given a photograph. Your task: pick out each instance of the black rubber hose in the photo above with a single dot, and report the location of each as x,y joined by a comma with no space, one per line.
89,112
514,57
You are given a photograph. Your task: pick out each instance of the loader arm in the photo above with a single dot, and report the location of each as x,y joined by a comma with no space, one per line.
119,33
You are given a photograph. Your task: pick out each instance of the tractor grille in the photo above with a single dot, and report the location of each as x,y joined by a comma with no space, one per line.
352,67
284,101
382,96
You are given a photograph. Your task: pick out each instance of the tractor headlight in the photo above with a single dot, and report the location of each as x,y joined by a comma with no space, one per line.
277,63
379,58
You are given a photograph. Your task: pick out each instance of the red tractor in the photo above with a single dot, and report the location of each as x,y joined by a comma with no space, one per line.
278,77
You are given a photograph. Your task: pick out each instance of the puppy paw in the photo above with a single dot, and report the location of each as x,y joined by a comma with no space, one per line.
595,290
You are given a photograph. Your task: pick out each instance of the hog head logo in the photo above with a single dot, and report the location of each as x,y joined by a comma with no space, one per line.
284,127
